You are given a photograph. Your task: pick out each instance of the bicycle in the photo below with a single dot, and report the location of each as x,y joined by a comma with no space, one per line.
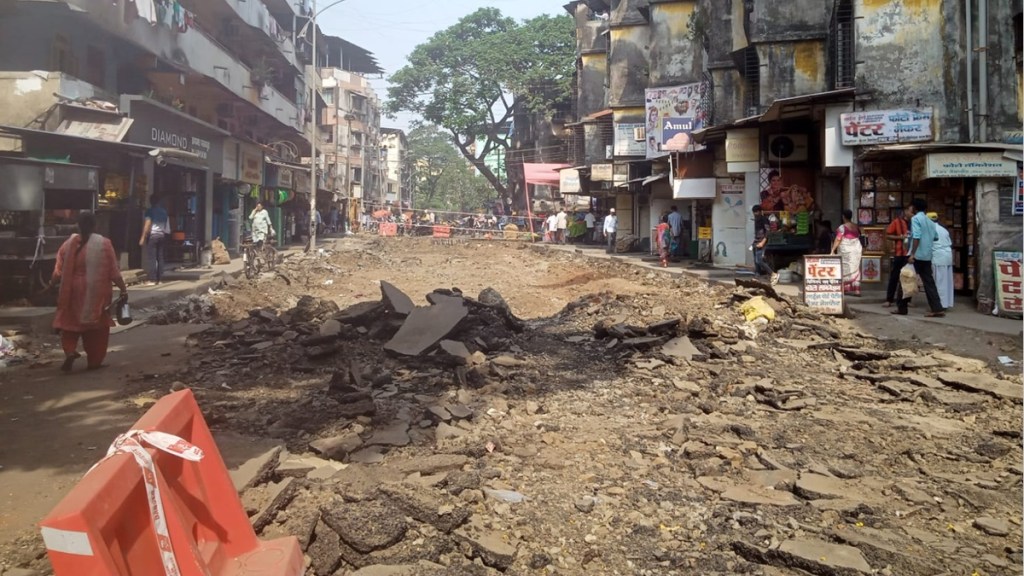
255,258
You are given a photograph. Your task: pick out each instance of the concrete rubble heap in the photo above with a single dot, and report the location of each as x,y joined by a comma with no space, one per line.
630,433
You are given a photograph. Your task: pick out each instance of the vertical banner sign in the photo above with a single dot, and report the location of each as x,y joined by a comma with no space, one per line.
1008,283
1018,191
672,114
823,284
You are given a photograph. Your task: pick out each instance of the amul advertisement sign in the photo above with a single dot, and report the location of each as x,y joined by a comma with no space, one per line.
673,114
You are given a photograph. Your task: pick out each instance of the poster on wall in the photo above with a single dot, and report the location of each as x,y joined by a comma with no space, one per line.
1008,283
789,189
673,114
823,284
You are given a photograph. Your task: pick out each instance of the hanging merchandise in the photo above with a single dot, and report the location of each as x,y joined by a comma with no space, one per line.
282,195
255,192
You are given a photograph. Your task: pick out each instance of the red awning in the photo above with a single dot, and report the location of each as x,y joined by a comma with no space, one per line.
543,173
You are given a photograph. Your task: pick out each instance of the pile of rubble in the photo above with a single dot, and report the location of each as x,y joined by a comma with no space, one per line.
193,309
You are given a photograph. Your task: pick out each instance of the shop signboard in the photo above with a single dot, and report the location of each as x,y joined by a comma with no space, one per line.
161,126
302,181
886,126
1008,283
823,283
630,139
602,172
569,181
963,165
1018,192
743,150
251,162
673,114
285,177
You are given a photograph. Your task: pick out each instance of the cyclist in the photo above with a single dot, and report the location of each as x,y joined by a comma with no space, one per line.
261,227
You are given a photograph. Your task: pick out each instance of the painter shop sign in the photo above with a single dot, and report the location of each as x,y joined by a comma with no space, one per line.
823,284
1008,279
886,126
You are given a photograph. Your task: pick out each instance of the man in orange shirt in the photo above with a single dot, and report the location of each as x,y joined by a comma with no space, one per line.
899,233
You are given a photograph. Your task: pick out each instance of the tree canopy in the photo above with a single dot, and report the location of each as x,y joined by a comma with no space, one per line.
471,79
442,179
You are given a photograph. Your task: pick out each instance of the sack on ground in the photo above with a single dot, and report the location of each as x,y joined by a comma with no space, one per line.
908,281
220,252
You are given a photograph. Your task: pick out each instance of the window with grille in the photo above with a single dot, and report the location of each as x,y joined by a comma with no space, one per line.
843,64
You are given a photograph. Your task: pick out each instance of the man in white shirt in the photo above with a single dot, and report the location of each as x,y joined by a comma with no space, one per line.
551,225
563,223
611,226
591,220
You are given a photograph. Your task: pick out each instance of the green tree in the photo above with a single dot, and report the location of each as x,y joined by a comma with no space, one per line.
442,179
471,79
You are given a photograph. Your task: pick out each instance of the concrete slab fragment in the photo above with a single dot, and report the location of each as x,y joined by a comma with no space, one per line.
395,300
426,326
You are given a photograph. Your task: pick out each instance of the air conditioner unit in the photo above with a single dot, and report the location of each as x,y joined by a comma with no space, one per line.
639,133
787,148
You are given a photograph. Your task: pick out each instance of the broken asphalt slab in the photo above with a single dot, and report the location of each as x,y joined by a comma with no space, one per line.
426,326
812,556
983,383
395,300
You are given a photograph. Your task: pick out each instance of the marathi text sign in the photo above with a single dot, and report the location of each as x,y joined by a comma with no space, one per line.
673,113
1008,283
886,126
823,284
963,165
626,141
569,181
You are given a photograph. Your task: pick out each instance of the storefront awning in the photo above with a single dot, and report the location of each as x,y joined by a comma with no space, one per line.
545,174
694,189
781,109
655,178
44,139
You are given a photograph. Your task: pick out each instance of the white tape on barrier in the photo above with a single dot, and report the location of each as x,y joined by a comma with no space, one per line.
131,443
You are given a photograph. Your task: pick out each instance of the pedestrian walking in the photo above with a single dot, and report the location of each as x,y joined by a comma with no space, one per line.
898,233
850,249
942,262
155,229
551,228
760,244
562,224
87,270
590,221
675,222
663,237
609,230
921,251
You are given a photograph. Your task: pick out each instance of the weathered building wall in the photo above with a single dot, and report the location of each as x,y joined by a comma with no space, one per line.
593,78
781,21
1003,106
909,55
791,69
628,66
628,54
675,57
996,231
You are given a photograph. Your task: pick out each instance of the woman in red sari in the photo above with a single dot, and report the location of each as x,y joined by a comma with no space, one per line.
663,238
87,268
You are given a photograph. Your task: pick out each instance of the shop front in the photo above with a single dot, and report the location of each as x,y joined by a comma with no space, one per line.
973,189
242,173
40,201
187,154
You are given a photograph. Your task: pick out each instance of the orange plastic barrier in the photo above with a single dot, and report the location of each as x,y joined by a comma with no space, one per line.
389,229
442,231
104,526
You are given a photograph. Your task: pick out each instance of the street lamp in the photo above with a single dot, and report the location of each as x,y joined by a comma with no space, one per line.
316,123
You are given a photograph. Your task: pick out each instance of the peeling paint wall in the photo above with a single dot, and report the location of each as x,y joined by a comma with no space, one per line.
791,69
675,58
789,20
628,66
593,75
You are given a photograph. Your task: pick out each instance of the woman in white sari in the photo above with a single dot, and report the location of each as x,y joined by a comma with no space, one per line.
848,244
942,262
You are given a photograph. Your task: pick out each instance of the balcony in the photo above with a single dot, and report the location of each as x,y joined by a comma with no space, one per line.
248,29
194,50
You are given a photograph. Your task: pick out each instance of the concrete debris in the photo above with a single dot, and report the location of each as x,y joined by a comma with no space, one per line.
395,300
426,326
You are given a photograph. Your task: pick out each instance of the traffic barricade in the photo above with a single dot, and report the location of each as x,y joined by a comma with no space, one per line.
388,229
442,231
162,504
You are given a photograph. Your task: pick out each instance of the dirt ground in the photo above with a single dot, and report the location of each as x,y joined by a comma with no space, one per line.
803,445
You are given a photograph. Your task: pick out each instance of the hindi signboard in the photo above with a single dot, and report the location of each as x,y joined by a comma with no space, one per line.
886,126
1008,283
823,283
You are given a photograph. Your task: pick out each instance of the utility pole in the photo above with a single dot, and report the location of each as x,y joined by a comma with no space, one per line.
312,141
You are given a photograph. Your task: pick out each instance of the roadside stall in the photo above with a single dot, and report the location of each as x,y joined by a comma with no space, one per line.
39,206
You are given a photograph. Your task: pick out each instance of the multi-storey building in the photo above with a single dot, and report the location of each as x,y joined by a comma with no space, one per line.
701,102
397,172
208,103
352,134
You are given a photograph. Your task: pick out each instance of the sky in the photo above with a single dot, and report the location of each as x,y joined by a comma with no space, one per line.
391,29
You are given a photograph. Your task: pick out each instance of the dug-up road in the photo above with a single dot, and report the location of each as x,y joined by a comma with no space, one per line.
488,408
